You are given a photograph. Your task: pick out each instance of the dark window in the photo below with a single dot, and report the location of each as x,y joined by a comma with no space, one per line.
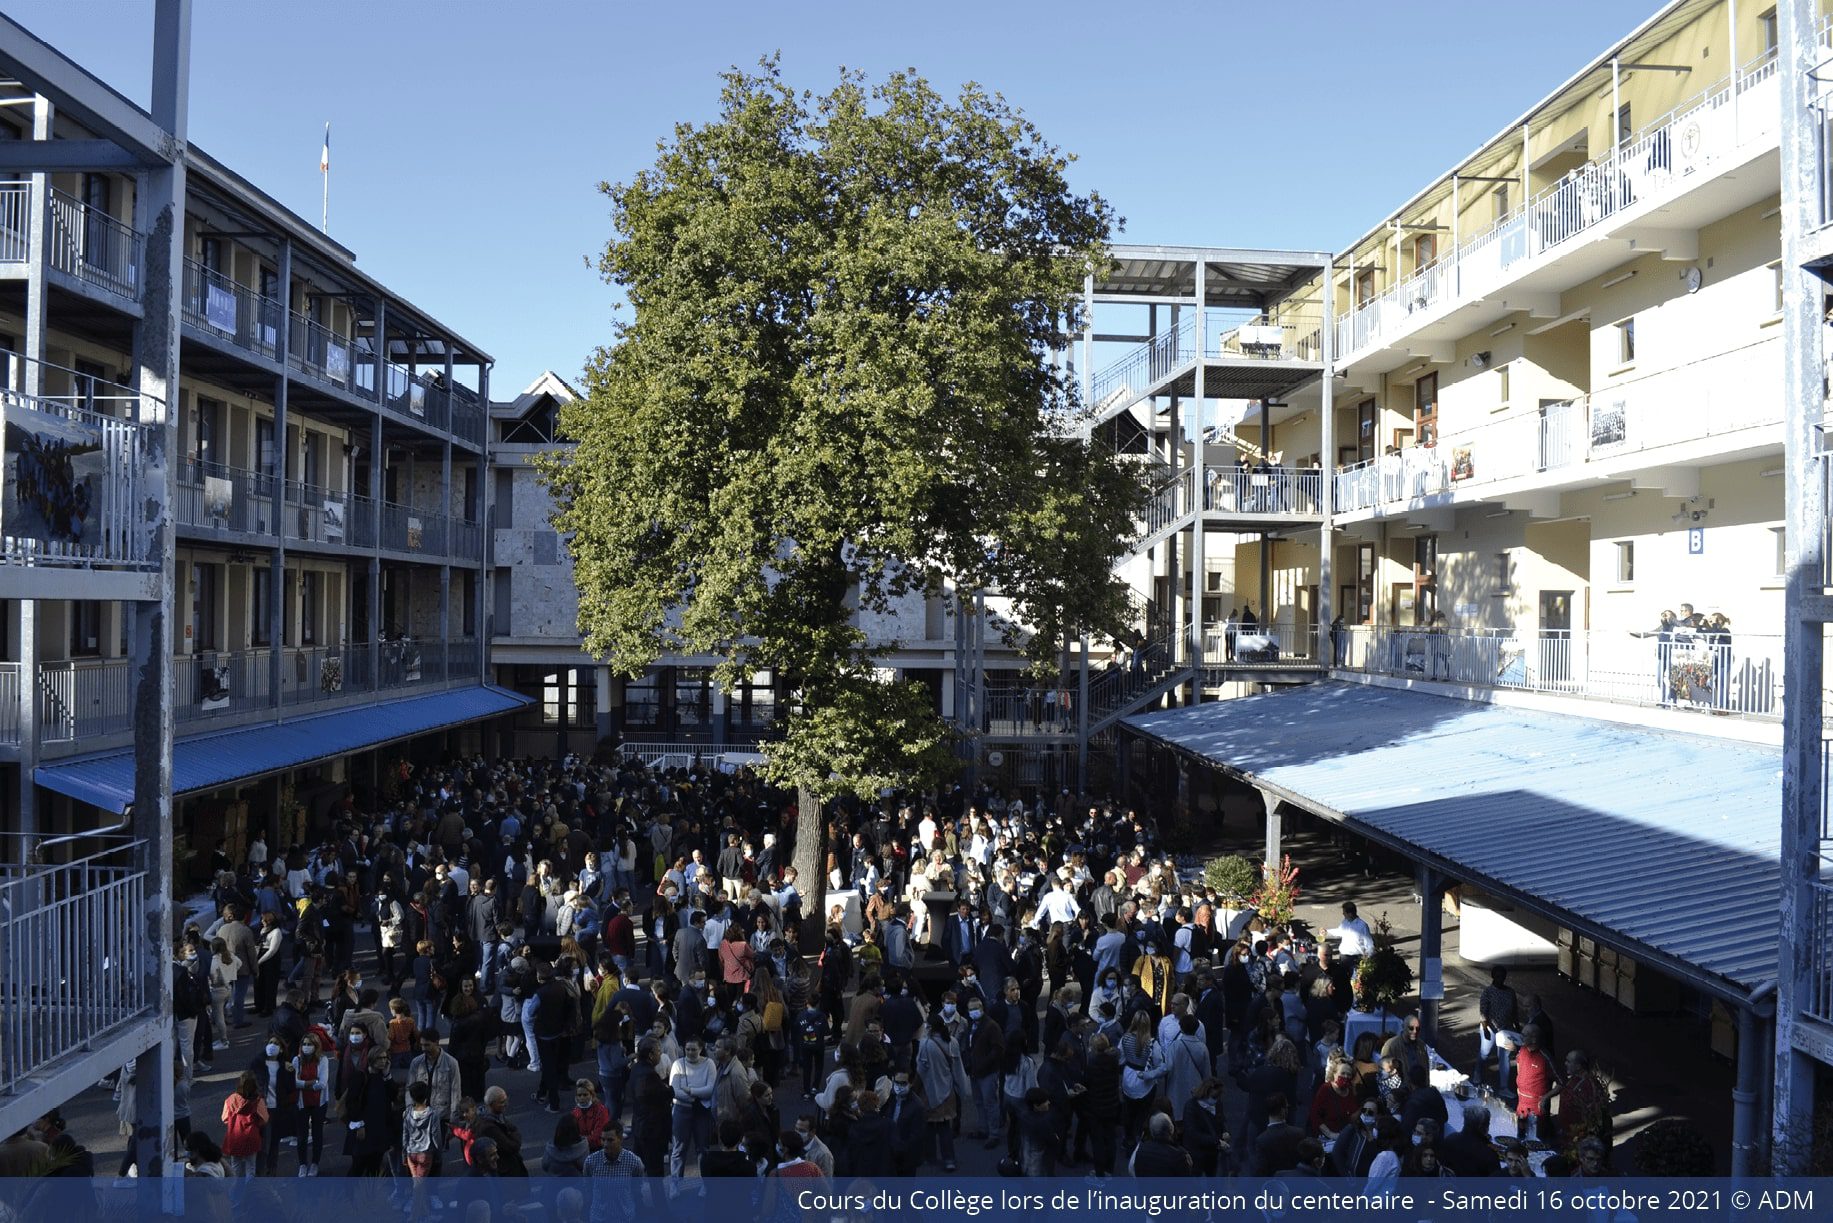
264,446
693,697
206,582
85,629
259,632
642,703
468,584
308,607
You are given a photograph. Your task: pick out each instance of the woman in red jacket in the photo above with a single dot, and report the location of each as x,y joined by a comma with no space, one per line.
1336,1103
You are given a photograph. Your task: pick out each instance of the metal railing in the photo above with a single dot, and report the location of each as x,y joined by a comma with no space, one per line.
15,222
1736,674
84,698
324,354
1264,490
213,683
1819,1001
407,529
1150,363
217,497
1260,645
1283,335
73,494
92,246
467,539
1718,394
1170,504
1709,129
9,704
1018,709
1136,675
74,954
222,306
316,515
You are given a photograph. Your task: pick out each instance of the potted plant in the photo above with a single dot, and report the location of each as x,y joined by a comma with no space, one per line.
1235,878
1276,898
1384,978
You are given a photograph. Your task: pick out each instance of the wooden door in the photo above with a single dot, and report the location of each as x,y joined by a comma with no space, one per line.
1425,409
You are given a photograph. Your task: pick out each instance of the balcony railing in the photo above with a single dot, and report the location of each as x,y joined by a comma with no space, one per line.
1260,645
1136,675
1712,129
9,704
76,468
1144,367
1711,397
15,222
82,699
324,354
316,515
1019,709
1736,674
1264,490
406,529
73,966
93,247
217,497
467,539
220,305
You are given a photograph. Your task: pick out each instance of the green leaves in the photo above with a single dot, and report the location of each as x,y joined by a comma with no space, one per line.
838,384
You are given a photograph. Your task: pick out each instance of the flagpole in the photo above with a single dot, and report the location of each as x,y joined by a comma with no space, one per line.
324,165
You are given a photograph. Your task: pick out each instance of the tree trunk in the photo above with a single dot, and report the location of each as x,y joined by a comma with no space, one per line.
810,862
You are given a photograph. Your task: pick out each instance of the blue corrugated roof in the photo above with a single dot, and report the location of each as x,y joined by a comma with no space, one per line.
205,762
1670,841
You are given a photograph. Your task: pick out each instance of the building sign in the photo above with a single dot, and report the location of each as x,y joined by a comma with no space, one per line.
1696,541
219,492
1609,422
219,307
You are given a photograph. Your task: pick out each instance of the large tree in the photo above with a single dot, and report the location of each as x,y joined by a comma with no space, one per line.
837,384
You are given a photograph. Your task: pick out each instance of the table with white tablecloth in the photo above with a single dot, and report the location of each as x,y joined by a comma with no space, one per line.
1501,1116
1382,1023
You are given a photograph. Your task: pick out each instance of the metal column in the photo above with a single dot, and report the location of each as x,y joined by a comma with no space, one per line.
486,518
1802,800
276,570
162,196
1275,829
1194,642
1431,942
1327,459
37,217
378,459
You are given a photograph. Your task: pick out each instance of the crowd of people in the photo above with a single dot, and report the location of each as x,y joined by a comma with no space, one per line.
1040,978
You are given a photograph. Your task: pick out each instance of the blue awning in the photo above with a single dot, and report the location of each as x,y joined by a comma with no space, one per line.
208,762
1668,844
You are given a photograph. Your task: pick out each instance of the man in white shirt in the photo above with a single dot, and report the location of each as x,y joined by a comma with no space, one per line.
1354,938
1058,906
926,832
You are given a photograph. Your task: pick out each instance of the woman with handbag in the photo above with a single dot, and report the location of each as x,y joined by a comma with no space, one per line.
1143,1067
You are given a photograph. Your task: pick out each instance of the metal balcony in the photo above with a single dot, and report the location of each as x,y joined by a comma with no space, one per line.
73,942
91,246
222,307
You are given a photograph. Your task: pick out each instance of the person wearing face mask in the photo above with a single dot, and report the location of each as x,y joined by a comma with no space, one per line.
906,1111
902,1019
944,1078
813,1149
273,1071
1205,1132
985,1043
1153,972
312,1075
692,1082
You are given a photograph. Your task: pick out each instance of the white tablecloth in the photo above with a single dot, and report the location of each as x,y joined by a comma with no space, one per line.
1382,1023
1501,1116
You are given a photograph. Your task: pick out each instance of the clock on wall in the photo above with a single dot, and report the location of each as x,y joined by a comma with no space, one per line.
1692,277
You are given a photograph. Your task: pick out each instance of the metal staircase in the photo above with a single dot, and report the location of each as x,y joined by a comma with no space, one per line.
1156,667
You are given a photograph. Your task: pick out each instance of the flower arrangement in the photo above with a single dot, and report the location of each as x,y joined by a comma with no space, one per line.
1384,978
1277,897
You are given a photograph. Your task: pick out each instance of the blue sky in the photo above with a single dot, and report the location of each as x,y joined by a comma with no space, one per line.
469,136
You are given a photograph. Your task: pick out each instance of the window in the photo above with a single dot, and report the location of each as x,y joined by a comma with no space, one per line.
754,701
262,604
693,697
1770,35
85,629
264,446
1365,286
1626,562
1366,421
270,307
212,251
1625,129
468,589
1501,198
1775,272
88,394
642,703
308,608
1365,584
1626,341
205,583
1780,535
1425,252
209,415
1504,576
1502,386
560,704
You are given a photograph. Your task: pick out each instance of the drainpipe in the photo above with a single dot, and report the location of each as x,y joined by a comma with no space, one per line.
1746,1095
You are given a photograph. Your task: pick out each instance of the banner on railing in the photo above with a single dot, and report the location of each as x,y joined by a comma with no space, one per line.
1609,422
219,494
56,470
219,307
213,687
334,519
337,362
413,533
416,399
1463,466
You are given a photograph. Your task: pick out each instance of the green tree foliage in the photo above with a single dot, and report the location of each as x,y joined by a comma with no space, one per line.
836,385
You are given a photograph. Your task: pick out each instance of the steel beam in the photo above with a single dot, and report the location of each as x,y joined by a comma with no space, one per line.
52,156
41,68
